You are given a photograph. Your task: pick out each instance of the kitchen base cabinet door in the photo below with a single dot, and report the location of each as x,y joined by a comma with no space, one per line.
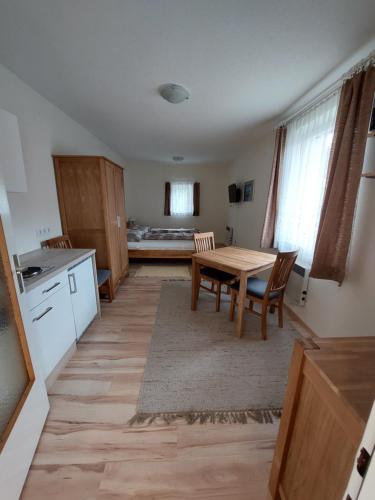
54,329
83,295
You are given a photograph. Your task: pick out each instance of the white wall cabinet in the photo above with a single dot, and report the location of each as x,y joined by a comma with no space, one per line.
11,153
83,295
54,329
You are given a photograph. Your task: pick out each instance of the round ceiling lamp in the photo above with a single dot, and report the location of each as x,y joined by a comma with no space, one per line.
174,93
178,158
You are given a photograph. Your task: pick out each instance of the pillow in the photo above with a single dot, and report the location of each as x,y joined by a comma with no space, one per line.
134,235
141,229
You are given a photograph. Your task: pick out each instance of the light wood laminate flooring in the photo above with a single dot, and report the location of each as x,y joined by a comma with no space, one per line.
88,452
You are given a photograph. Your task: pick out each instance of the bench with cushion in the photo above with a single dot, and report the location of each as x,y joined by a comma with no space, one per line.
104,280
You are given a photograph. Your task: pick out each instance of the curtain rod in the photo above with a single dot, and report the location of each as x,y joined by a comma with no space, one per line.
331,89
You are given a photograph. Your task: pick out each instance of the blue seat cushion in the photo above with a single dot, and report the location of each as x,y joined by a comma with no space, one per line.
257,288
103,275
216,274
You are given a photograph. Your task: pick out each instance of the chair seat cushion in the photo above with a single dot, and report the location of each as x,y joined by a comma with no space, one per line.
257,288
103,275
216,274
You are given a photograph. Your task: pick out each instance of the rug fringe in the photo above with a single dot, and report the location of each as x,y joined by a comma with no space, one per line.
265,416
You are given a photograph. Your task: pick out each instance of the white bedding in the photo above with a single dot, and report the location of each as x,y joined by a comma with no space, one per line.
161,245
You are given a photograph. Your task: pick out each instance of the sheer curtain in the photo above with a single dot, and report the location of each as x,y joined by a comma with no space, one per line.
182,198
303,179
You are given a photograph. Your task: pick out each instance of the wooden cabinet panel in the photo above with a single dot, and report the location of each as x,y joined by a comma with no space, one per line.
328,399
80,194
122,231
92,208
112,222
321,456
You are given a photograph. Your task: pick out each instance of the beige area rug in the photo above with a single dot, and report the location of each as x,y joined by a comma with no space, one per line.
199,371
163,271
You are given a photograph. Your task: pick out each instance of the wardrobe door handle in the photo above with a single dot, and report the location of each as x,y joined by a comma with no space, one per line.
43,314
74,290
51,287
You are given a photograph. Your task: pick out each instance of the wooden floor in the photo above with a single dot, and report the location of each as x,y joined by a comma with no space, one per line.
88,452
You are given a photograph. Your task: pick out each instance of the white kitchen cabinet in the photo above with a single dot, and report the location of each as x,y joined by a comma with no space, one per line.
42,292
83,295
54,329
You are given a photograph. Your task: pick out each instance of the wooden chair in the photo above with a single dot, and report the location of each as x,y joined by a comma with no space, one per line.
103,275
268,294
204,242
58,242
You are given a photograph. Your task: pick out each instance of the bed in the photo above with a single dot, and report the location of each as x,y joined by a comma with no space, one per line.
145,242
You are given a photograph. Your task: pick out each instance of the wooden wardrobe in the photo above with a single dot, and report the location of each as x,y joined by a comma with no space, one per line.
92,208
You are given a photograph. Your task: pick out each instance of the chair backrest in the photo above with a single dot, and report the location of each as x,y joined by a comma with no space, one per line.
59,242
204,242
281,271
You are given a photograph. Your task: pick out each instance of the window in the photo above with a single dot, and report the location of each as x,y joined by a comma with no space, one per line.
182,198
303,178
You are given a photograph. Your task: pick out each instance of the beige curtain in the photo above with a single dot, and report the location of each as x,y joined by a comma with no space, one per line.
344,175
268,233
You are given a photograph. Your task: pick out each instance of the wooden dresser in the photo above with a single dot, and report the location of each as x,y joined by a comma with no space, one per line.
92,208
330,392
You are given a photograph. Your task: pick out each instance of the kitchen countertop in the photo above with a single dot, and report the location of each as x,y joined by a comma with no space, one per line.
56,259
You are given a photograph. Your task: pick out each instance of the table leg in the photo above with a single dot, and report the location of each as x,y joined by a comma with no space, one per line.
241,304
195,283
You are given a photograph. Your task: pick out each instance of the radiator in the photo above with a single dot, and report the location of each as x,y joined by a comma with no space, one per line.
296,289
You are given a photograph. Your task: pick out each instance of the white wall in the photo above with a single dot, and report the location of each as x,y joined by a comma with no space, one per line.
145,195
330,310
44,130
247,218
349,310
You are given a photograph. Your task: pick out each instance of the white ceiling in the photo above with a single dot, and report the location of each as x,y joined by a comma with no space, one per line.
244,62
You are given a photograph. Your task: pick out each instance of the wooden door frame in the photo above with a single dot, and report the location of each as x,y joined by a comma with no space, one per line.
21,335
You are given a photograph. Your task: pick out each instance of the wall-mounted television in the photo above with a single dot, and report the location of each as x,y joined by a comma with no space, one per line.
234,193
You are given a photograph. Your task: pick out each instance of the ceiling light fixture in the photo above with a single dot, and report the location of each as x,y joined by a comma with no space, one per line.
174,93
177,158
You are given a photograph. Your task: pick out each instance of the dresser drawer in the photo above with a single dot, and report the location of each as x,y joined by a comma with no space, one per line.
47,289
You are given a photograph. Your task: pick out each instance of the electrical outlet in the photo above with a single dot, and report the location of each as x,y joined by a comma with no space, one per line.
42,232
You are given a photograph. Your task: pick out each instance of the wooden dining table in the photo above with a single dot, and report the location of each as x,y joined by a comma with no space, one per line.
237,261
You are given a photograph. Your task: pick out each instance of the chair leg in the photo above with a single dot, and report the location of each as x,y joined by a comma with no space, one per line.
218,296
272,309
232,305
251,305
264,320
280,308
